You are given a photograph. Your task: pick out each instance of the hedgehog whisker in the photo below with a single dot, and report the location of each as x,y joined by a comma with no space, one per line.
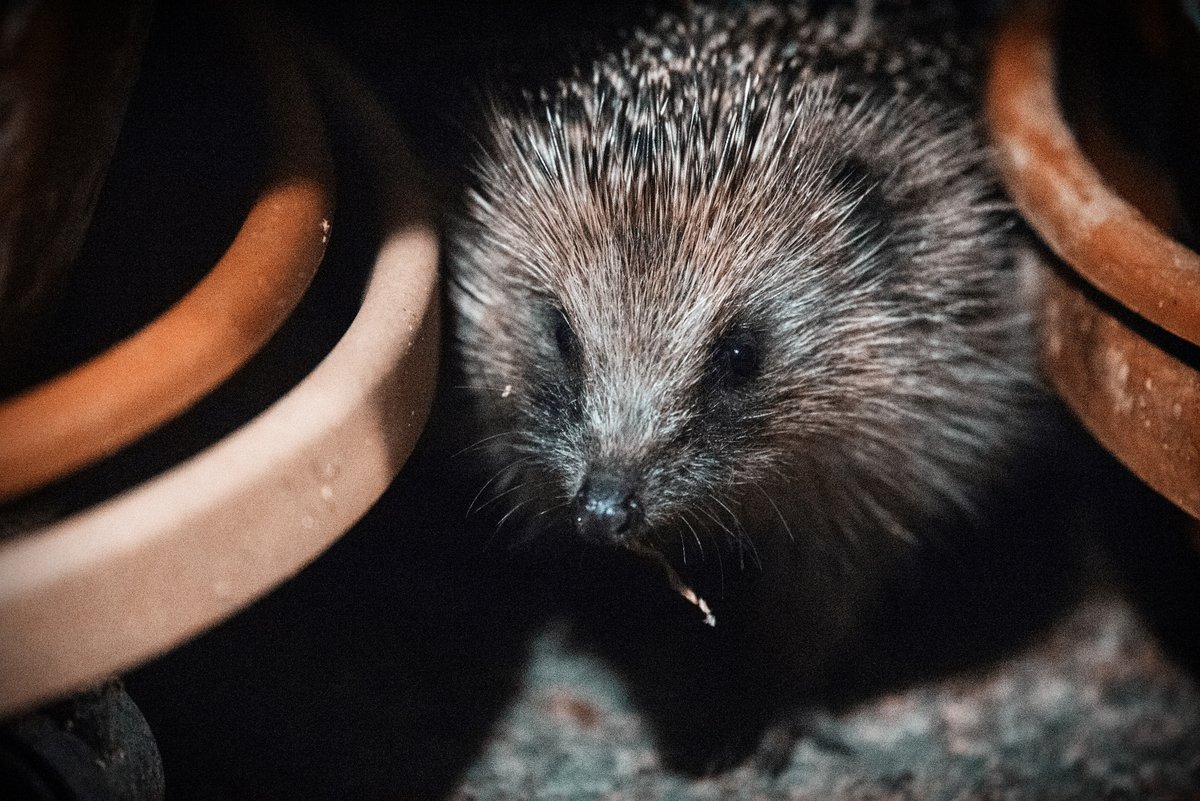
500,495
482,442
775,506
489,388
695,536
531,533
510,513
488,483
743,540
564,504
720,524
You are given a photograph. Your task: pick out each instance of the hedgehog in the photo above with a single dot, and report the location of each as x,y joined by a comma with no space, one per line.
746,281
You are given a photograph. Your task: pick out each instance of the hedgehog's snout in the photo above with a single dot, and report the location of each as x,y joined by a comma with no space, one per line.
607,508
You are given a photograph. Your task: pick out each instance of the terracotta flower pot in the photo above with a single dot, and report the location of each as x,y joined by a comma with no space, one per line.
1120,314
116,584
113,399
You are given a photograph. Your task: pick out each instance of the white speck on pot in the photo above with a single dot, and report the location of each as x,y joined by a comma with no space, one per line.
1118,376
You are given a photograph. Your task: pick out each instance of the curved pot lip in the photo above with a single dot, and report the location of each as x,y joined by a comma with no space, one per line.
1135,397
1101,326
144,381
130,578
1062,195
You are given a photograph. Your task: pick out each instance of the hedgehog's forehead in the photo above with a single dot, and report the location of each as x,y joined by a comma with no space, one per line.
659,217
630,287
626,199
652,169
667,272
647,332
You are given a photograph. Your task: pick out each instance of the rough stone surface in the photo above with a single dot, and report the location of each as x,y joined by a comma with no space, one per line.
1094,710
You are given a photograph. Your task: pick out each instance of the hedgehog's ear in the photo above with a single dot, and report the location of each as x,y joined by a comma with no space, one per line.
862,186
565,339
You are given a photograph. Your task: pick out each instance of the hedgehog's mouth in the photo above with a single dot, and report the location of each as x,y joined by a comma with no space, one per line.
608,511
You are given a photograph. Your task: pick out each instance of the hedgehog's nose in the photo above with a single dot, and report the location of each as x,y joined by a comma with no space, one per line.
606,509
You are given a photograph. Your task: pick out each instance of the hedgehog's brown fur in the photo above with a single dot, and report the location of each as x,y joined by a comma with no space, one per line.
819,180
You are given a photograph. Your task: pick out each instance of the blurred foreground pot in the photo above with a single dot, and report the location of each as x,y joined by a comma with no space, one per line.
100,406
116,584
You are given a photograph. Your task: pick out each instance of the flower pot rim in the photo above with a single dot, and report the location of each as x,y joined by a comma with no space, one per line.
1063,196
124,581
96,408
1102,309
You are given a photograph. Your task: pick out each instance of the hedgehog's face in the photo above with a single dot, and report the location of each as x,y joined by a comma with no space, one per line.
632,416
644,383
646,417
662,338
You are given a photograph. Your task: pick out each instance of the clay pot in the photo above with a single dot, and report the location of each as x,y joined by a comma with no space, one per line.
120,582
1119,307
100,406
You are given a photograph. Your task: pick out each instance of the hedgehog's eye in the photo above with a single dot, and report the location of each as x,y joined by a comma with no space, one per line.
565,339
736,358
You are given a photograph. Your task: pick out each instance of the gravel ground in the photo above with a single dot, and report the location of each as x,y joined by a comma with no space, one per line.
1093,710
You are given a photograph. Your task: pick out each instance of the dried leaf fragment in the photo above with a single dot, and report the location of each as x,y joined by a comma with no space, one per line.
677,583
